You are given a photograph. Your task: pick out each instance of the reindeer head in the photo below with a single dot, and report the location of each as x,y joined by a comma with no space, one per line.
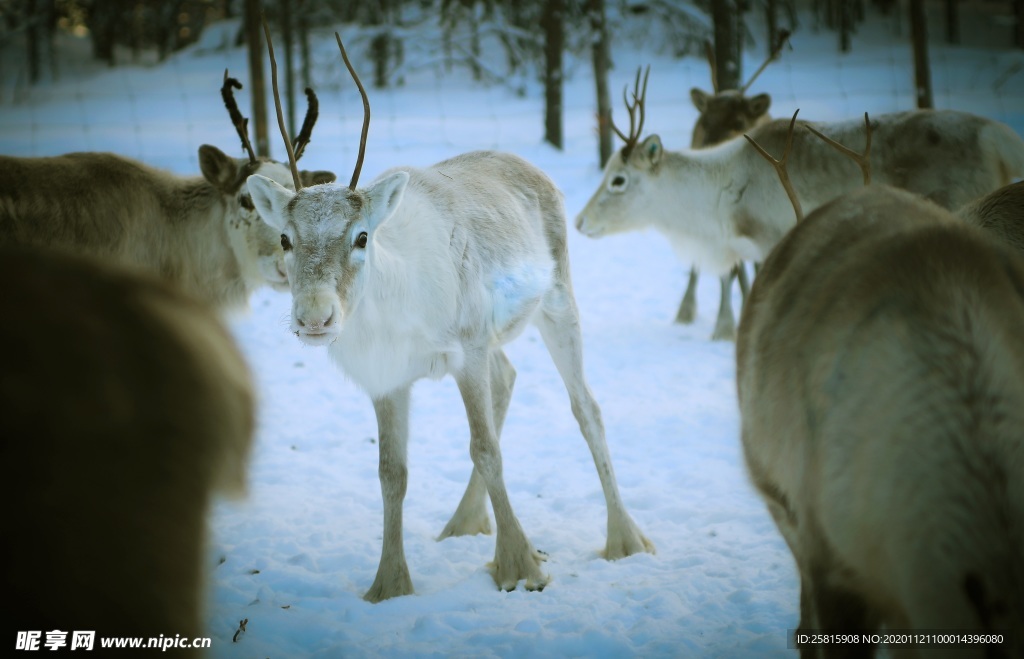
725,115
328,234
326,231
626,175
256,244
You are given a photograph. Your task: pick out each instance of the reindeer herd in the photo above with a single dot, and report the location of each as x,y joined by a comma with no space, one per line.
880,353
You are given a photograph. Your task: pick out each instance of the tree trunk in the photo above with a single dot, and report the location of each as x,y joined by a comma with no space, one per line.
725,15
380,45
513,43
552,24
50,37
1018,9
602,61
32,38
101,23
307,77
474,43
289,64
257,88
771,16
952,22
919,38
845,24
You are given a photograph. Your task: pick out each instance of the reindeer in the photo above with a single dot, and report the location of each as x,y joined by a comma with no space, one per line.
124,407
720,205
724,115
199,232
1001,213
428,272
881,381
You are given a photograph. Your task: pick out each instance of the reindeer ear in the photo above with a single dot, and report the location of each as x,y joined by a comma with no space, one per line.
218,168
700,99
651,150
316,178
384,196
758,105
270,198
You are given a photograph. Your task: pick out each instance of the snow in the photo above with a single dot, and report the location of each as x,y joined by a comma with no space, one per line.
296,555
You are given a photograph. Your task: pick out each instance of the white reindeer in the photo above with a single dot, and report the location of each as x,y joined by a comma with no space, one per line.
125,406
428,272
723,115
721,205
880,372
200,232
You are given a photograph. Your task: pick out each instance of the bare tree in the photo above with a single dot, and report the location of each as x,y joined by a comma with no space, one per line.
285,12
725,15
952,21
303,29
845,10
601,57
553,24
919,38
257,88
1018,10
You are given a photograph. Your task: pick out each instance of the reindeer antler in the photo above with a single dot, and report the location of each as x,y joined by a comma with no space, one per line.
780,166
241,123
862,159
366,114
312,113
277,105
639,97
783,37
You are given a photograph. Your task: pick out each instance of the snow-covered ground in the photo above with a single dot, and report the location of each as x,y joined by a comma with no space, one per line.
295,557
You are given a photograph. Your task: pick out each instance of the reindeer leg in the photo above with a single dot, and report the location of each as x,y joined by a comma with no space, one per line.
471,517
837,609
741,275
514,556
725,326
559,326
393,427
688,307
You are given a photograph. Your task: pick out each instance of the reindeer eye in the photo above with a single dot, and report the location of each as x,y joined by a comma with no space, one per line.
361,240
246,202
286,244
618,184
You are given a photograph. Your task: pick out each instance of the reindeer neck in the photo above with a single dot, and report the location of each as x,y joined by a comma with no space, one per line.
198,251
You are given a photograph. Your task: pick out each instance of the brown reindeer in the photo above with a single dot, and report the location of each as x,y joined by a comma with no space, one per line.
124,407
200,232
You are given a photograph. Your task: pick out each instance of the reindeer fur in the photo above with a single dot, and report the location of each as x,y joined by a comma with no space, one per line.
124,407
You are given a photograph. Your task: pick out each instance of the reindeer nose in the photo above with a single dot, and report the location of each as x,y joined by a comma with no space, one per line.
318,323
579,222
